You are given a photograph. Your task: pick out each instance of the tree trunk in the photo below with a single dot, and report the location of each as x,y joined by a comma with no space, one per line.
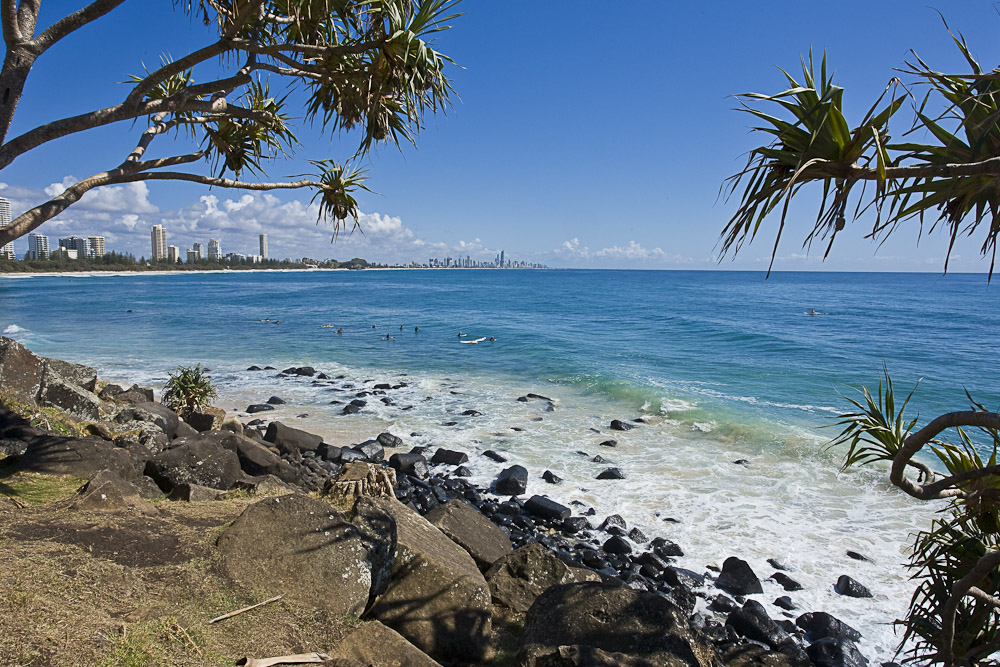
16,68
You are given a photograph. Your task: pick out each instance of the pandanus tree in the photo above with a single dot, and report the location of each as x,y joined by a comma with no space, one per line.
953,182
362,65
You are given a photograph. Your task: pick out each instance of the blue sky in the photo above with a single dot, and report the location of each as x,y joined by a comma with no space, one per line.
583,135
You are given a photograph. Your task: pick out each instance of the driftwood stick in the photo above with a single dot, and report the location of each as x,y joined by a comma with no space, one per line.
297,659
240,611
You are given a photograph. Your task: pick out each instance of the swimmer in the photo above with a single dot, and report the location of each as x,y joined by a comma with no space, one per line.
340,330
277,321
400,327
492,339
393,337
373,326
416,329
460,334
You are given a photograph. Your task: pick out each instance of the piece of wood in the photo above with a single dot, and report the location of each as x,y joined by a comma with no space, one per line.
297,659
240,611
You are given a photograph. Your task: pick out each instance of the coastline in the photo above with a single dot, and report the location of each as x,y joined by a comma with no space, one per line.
581,537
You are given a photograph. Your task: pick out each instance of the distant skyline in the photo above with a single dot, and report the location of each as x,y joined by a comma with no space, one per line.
579,138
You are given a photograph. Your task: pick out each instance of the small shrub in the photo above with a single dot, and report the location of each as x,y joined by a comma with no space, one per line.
188,389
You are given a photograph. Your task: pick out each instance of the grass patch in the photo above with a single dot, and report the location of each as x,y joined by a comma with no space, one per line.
36,488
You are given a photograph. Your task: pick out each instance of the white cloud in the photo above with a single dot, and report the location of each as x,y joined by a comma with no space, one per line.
129,197
574,252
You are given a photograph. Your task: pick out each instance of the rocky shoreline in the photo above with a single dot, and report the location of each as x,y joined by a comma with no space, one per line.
419,548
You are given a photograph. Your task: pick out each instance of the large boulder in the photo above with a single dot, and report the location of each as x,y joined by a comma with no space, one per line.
516,580
376,644
307,551
751,621
511,481
107,490
255,459
472,531
155,413
200,460
57,392
21,370
738,578
611,618
82,376
206,418
290,440
80,457
437,598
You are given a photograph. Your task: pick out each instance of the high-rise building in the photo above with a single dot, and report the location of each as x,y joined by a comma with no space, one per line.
158,236
501,259
7,249
173,254
77,243
193,256
214,250
95,246
263,246
38,246
196,249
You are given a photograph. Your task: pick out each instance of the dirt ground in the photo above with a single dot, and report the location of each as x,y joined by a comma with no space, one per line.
128,588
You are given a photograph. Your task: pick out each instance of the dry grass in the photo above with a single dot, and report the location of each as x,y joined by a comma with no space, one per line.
123,588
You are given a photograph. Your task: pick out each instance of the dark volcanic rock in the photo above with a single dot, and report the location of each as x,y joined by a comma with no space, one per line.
609,443
619,425
291,440
410,464
819,625
751,621
499,458
389,440
372,451
611,473
449,457
856,556
546,508
551,477
737,578
276,400
259,407
785,602
836,652
351,409
851,588
786,582
617,545
512,481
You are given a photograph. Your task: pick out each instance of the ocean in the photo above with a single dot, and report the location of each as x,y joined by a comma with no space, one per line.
725,367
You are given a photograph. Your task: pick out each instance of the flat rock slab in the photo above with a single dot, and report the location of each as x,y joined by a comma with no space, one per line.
377,644
472,531
304,549
437,598
81,457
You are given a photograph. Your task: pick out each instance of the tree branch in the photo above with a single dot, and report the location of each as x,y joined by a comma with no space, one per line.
31,220
915,442
8,18
27,17
72,22
963,586
175,67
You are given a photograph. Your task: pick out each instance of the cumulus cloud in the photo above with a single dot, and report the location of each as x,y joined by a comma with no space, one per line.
129,197
574,252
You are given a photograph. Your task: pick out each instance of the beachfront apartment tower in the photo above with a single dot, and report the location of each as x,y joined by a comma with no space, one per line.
193,256
173,254
196,249
77,243
263,246
7,249
95,246
38,246
158,236
214,250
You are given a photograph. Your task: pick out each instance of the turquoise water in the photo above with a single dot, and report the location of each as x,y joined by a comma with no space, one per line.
724,365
